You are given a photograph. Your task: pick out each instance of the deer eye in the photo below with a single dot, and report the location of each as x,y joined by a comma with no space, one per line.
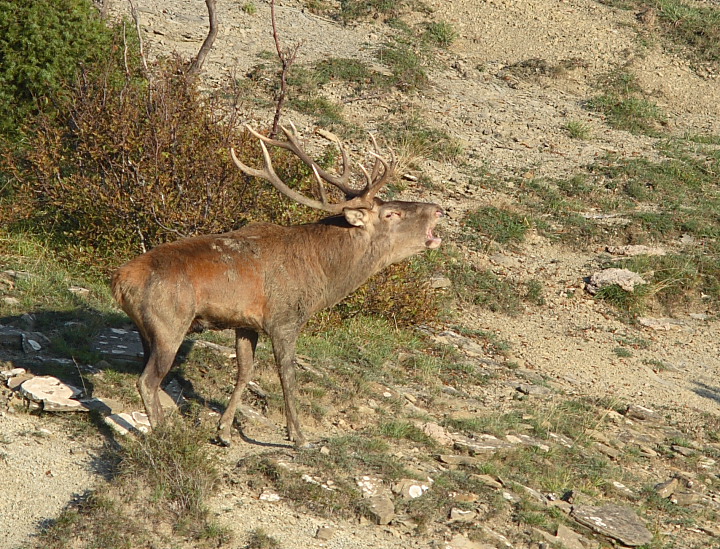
392,213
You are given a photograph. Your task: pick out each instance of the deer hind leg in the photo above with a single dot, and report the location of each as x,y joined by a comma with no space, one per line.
245,343
284,350
159,357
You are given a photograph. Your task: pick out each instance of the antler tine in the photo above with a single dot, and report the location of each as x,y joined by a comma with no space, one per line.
341,182
376,166
268,174
374,184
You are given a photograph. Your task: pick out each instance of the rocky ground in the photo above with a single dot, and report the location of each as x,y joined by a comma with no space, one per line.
510,124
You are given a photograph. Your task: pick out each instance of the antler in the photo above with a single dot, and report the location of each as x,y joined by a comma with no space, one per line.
357,198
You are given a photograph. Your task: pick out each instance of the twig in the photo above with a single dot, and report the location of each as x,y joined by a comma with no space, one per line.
287,58
136,18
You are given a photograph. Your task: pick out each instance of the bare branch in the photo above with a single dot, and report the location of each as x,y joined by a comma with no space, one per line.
136,18
207,45
287,58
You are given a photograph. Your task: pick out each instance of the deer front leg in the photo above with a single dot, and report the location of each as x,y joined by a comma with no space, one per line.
284,350
245,344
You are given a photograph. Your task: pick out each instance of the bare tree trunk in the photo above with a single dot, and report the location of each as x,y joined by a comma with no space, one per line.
207,45
287,58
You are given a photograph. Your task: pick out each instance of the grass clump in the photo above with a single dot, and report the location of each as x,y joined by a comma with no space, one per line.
578,130
440,33
168,474
625,107
499,224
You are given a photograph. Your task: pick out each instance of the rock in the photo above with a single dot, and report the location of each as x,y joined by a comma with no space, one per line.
381,509
54,395
565,537
673,486
635,411
660,324
410,489
453,459
270,496
325,533
15,382
104,406
124,423
487,480
440,282
438,433
633,250
624,278
459,541
609,451
613,521
683,451
483,444
685,498
462,515
119,346
530,389
371,486
7,374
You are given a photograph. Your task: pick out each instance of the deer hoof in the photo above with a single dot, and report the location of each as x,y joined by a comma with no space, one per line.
222,440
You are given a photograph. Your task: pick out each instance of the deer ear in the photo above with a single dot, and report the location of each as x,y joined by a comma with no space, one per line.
356,217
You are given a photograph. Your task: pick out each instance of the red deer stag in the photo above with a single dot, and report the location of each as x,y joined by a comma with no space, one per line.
269,278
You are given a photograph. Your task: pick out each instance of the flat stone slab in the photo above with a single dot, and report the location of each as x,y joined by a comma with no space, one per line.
614,521
54,395
125,423
118,345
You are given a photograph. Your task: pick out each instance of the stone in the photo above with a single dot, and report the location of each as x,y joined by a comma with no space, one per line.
487,480
7,374
15,382
685,498
371,486
381,509
104,406
660,324
624,278
409,488
635,411
609,451
683,451
536,390
440,283
462,515
125,423
454,459
633,250
482,444
459,541
438,433
269,496
613,521
54,395
325,533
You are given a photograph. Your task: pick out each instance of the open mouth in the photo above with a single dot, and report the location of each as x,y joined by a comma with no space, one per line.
432,241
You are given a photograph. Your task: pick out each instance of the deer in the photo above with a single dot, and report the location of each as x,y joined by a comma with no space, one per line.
269,278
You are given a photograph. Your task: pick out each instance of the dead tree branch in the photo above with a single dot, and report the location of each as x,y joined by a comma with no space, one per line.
287,58
207,45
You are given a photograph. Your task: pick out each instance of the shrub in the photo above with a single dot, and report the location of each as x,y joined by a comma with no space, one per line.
140,162
42,44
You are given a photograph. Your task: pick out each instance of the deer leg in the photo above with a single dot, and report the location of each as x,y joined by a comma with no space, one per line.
245,343
284,350
159,359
